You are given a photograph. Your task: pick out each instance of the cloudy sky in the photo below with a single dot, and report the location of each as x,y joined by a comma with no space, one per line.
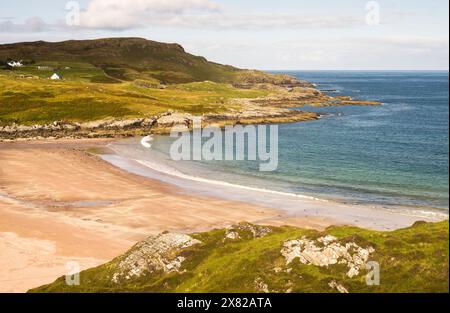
263,34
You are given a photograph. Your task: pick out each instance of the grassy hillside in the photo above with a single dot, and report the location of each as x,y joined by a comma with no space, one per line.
42,101
123,59
120,58
248,258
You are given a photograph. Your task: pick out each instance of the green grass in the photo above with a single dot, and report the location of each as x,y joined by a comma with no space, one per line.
42,101
414,259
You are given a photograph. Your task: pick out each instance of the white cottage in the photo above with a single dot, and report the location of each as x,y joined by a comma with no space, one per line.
55,77
15,64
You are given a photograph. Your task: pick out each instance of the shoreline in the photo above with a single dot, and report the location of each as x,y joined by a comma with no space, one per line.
370,216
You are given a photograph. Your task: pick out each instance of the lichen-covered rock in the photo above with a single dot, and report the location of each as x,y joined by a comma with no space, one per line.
155,254
326,251
261,286
231,234
246,230
333,284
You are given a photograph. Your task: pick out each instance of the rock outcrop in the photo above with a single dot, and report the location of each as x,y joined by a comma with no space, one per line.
326,251
107,128
334,285
155,254
261,286
246,231
252,78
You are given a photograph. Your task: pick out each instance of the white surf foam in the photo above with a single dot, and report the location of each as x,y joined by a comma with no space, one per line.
173,172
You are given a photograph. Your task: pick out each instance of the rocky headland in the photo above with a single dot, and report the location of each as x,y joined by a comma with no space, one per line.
273,109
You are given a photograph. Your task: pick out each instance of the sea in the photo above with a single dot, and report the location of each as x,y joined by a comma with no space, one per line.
393,156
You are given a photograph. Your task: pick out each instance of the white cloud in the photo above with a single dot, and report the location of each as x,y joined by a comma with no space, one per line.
201,14
338,53
416,41
257,21
119,14
32,24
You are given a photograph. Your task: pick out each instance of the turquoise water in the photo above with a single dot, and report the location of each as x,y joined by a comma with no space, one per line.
392,155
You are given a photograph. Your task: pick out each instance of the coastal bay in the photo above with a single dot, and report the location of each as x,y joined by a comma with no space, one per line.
363,169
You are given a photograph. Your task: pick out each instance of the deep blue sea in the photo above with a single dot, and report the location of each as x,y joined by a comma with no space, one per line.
392,155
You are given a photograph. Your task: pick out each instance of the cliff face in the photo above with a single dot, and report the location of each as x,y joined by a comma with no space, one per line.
252,258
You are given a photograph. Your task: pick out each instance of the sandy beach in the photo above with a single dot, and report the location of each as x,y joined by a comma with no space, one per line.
58,204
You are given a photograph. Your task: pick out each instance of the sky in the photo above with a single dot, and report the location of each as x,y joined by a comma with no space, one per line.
260,34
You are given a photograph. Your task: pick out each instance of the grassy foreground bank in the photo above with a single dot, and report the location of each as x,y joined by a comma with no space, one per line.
249,258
